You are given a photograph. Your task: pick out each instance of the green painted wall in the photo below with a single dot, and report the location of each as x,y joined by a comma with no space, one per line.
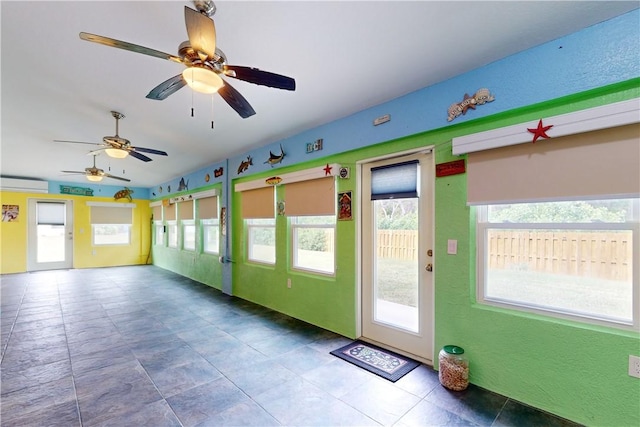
202,267
571,369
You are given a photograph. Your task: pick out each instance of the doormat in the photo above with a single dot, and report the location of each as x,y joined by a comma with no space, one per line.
382,362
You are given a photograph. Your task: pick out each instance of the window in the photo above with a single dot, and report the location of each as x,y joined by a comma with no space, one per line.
159,232
111,224
208,214
210,236
313,239
572,257
189,235
311,207
172,234
111,234
261,240
258,211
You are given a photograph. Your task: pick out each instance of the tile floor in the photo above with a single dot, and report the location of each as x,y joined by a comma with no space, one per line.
141,346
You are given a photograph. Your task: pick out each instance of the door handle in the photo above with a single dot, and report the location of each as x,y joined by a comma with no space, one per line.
429,267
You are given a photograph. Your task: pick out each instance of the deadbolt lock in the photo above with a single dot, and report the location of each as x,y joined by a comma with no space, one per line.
430,252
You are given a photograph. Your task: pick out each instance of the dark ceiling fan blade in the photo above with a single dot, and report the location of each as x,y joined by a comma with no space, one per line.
202,33
149,150
78,142
115,177
128,46
259,77
167,87
139,156
236,101
75,172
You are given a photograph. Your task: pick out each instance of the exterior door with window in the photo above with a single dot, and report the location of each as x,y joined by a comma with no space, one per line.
397,254
50,235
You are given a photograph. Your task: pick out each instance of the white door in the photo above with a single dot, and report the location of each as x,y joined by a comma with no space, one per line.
50,234
397,253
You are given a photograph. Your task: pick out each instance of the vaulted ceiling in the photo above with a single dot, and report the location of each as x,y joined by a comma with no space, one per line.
345,56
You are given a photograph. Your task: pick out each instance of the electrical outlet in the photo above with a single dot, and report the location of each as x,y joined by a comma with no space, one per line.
289,283
634,366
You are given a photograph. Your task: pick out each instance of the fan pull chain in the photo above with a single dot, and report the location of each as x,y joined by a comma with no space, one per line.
211,111
192,99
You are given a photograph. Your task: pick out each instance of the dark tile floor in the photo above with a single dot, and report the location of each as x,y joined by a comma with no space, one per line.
141,346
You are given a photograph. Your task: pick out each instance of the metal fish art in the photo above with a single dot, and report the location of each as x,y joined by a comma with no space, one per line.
275,159
183,185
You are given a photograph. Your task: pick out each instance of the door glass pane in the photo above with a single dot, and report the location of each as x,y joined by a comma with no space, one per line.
396,263
51,241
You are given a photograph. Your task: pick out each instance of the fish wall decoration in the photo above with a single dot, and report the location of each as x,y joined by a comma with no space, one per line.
275,159
244,165
182,185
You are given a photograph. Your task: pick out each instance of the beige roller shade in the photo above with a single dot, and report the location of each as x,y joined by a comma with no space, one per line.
598,164
108,215
208,208
156,211
170,212
313,197
258,203
185,210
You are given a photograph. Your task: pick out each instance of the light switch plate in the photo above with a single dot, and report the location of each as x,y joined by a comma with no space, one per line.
452,247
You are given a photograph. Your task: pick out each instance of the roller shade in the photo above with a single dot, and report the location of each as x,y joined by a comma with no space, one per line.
397,181
169,212
312,197
599,164
50,213
258,203
185,210
208,208
111,215
156,211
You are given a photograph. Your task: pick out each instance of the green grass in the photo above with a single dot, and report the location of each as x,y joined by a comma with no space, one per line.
397,281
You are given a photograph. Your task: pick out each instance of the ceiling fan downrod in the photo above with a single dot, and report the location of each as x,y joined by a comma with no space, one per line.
206,7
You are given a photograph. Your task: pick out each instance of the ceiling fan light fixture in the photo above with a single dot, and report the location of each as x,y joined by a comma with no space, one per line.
116,153
202,79
94,178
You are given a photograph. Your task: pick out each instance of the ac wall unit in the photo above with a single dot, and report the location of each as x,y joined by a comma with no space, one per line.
24,185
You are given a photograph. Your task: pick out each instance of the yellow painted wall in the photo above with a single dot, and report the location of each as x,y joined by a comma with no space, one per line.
13,235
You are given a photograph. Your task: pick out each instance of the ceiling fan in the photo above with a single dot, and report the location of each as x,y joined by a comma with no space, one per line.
204,61
95,174
118,147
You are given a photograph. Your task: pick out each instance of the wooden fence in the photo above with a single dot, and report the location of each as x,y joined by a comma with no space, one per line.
601,254
398,244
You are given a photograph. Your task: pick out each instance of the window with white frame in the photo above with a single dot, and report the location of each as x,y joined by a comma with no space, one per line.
258,212
158,226
208,215
187,224
570,257
261,240
313,243
111,224
558,226
172,234
311,211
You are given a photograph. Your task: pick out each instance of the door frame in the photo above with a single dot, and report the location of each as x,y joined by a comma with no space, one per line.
32,236
430,149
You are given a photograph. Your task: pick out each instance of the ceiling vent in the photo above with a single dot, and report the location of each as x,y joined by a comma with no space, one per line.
22,185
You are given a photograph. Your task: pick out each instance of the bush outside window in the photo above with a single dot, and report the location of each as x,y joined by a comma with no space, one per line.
111,234
261,240
576,259
313,242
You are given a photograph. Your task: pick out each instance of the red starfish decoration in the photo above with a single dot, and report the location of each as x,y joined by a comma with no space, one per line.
540,131
327,170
